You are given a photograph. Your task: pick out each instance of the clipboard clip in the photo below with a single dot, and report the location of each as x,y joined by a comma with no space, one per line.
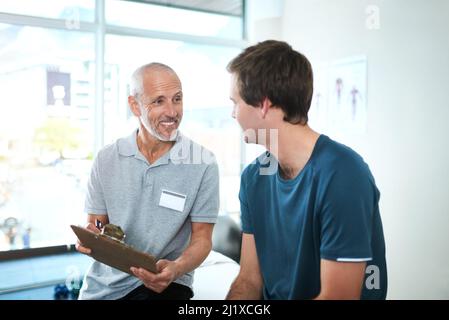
112,231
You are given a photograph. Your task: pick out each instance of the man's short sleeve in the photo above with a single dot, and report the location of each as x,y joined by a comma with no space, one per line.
245,214
95,202
346,218
207,202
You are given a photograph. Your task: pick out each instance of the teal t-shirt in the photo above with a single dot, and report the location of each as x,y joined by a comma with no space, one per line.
329,211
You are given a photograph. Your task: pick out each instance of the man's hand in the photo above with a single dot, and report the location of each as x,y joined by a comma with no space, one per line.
168,271
92,220
158,282
249,283
79,246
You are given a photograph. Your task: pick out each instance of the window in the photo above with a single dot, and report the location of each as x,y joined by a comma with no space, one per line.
52,121
46,131
83,10
169,19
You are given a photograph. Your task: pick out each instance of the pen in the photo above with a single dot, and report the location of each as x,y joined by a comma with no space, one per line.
98,224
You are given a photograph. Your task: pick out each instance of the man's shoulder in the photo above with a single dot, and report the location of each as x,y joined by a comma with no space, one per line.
122,146
107,152
252,171
338,163
334,156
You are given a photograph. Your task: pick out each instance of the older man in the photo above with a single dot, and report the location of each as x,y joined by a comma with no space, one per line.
153,184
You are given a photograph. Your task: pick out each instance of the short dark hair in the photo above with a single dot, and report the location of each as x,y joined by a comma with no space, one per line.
272,69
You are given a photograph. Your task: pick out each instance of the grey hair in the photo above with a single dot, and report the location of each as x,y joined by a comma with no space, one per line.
136,83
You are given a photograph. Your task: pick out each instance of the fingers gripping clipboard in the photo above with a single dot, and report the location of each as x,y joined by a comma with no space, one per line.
113,252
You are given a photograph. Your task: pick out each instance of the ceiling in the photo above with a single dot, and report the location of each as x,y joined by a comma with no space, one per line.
228,7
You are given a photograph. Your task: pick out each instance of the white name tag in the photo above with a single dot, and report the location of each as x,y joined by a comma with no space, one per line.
172,200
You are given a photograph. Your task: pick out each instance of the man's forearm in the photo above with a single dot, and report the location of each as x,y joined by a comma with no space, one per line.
321,296
192,257
244,290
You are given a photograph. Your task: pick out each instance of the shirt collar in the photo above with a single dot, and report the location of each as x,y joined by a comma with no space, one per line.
127,147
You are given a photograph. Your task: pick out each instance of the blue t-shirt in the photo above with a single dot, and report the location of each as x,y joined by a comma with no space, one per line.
329,211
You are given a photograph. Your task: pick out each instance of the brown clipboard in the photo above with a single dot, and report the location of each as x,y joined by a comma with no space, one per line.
113,252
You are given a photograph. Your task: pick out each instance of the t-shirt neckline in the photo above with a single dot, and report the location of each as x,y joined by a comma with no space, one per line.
308,163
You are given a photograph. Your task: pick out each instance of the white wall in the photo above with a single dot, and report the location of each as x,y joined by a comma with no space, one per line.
264,19
406,141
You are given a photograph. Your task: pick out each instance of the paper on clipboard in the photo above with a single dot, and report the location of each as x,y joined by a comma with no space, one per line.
114,253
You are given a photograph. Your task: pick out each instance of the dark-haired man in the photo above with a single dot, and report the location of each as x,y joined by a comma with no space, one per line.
311,227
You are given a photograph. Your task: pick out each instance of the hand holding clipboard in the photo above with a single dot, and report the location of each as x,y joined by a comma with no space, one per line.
111,251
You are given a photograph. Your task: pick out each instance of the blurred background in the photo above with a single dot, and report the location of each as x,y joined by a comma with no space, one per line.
381,73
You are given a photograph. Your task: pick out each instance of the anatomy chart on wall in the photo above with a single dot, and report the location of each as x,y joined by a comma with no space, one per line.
339,101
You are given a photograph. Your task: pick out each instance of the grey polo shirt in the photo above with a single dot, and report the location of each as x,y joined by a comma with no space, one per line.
153,203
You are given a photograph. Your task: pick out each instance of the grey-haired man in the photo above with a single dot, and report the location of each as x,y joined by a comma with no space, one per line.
152,185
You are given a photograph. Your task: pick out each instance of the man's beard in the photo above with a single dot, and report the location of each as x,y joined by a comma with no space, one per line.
152,130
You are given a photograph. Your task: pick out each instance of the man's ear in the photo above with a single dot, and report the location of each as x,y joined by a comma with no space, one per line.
265,106
134,106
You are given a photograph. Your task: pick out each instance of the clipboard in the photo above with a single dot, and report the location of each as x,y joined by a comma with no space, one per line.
113,252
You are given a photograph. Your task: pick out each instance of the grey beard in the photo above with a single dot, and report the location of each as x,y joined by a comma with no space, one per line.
154,133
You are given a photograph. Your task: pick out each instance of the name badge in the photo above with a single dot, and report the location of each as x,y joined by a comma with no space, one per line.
172,200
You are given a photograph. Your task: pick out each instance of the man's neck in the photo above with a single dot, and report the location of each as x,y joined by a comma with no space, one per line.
294,149
151,147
